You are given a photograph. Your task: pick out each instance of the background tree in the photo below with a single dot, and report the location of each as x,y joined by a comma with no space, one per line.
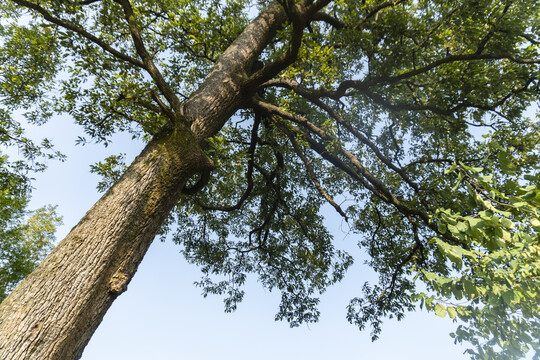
26,237
379,105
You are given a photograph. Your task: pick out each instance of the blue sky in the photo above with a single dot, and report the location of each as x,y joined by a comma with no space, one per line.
163,315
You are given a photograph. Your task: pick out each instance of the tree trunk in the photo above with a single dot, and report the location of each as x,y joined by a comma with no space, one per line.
53,313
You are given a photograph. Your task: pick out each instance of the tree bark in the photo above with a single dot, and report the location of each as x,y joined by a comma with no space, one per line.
53,313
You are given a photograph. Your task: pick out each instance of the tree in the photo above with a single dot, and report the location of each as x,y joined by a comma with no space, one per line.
254,124
26,237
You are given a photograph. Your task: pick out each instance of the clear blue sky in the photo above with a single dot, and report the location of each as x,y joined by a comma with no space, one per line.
163,316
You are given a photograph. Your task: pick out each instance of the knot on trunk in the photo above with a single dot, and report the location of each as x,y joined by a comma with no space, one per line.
118,283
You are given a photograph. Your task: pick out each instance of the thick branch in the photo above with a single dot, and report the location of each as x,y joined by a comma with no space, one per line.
149,65
357,172
300,16
377,184
329,19
440,111
287,58
223,90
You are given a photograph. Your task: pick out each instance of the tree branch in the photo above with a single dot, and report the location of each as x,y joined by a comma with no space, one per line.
47,16
312,174
399,267
449,111
375,11
300,16
270,70
249,173
314,98
357,172
88,2
365,84
149,65
329,19
377,184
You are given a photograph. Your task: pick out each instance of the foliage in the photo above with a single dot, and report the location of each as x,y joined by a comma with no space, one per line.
499,268
380,105
110,170
25,237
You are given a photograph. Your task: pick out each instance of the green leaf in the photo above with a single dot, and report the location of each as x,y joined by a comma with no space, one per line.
470,168
460,178
506,163
451,169
486,179
475,222
508,297
470,288
440,310
429,275
442,228
461,226
457,292
530,196
452,313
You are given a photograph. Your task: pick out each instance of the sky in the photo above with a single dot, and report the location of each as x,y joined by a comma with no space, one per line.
163,316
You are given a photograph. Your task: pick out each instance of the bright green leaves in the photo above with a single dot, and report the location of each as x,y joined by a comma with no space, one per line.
452,313
25,237
507,223
506,163
24,243
29,61
440,310
452,252
496,291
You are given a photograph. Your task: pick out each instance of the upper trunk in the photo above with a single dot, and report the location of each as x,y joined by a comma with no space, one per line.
53,313
223,90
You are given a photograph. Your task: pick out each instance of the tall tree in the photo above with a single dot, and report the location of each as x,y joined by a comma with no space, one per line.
254,124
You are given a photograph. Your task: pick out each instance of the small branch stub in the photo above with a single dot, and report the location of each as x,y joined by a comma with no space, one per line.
118,283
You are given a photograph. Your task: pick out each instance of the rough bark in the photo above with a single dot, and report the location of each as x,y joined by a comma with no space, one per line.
53,313
226,83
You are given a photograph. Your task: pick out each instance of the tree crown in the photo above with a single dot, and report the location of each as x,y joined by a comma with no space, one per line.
413,114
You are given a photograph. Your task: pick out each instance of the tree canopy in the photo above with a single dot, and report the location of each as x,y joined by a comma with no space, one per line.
414,120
